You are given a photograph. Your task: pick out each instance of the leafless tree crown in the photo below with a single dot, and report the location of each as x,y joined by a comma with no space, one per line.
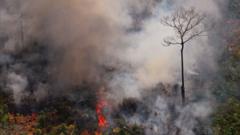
186,23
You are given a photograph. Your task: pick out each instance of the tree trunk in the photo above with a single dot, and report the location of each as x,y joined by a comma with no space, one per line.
182,67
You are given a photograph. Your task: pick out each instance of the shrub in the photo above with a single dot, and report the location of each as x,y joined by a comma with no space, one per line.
227,119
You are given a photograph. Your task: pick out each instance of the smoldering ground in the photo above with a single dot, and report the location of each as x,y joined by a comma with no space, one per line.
112,42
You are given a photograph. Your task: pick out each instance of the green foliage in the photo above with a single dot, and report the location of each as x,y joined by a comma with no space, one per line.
42,120
128,130
227,119
59,130
228,80
3,113
234,6
38,132
125,129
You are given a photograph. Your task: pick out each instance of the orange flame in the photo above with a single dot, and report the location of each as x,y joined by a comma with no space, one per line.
102,121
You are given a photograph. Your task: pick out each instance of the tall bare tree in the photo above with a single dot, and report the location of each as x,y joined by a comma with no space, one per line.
188,25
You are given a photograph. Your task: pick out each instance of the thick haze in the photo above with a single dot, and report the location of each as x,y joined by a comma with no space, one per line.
87,39
87,35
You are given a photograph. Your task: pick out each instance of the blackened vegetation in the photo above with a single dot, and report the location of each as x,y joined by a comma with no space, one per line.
129,106
148,112
35,62
30,61
143,108
71,105
76,108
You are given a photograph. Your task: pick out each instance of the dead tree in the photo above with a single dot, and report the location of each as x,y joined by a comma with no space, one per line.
187,25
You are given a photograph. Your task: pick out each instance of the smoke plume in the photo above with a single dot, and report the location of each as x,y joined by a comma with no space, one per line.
108,42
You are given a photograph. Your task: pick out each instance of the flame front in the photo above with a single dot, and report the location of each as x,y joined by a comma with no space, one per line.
102,121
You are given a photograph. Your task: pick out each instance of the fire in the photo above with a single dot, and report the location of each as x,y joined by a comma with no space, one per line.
102,121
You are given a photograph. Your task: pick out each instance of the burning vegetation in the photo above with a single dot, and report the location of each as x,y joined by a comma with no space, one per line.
97,67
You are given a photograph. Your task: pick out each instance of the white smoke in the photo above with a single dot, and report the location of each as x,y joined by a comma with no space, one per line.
88,34
153,63
17,84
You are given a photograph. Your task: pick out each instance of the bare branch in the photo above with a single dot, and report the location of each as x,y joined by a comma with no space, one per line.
165,21
198,20
168,43
197,34
186,24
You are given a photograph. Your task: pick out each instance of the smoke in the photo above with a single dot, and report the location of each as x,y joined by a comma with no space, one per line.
152,63
18,85
112,42
82,33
